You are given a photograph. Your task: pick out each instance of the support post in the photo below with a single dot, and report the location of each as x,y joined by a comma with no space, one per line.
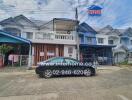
77,35
30,57
20,60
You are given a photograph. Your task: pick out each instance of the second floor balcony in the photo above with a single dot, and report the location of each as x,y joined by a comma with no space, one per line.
52,37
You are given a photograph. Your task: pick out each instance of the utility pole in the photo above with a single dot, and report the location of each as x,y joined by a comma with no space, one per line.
77,36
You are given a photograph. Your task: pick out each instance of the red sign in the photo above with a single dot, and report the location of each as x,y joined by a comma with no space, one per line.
94,11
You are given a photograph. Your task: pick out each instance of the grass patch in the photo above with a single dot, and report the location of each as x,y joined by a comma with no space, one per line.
124,64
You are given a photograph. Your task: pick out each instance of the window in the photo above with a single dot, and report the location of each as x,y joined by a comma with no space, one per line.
56,60
81,39
110,41
42,35
71,61
70,50
89,40
29,35
101,40
13,31
51,53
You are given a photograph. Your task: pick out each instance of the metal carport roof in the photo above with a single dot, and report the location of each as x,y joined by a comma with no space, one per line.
6,37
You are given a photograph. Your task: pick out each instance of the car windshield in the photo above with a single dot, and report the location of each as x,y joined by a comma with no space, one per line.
55,60
71,61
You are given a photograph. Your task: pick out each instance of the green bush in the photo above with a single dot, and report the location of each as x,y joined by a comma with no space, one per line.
5,49
124,63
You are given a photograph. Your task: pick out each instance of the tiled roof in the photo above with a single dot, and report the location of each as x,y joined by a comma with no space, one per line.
84,27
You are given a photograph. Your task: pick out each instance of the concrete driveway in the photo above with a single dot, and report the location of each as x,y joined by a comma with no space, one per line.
110,83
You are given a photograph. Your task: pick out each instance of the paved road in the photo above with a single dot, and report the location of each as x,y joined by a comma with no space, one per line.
109,84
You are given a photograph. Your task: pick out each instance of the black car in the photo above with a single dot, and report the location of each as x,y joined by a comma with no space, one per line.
64,66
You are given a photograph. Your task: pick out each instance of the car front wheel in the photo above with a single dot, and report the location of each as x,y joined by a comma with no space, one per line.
47,74
87,72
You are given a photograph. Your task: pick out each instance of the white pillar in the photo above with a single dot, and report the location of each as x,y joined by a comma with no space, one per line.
30,57
34,35
57,51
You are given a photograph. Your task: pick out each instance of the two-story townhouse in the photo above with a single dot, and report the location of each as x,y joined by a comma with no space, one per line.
126,41
118,37
90,50
108,36
49,39
126,37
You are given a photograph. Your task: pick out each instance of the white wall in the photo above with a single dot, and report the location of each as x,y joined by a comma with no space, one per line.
102,36
106,38
66,54
119,57
117,41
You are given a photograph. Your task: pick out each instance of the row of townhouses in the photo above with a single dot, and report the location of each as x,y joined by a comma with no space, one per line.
42,40
120,38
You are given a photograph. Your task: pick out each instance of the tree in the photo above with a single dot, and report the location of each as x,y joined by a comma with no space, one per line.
5,49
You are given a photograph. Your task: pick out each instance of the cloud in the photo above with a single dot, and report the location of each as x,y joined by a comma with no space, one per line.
54,9
117,13
3,15
20,6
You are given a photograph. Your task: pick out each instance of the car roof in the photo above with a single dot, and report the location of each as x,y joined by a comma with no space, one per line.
59,57
65,57
62,58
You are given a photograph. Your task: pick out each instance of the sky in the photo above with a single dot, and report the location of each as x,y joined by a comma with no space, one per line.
117,13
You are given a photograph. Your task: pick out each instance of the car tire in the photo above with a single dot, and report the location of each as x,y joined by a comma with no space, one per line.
88,72
47,74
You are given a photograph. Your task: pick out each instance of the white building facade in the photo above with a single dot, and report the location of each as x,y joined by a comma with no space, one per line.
121,39
49,39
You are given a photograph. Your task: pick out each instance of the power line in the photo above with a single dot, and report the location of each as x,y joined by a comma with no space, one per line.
38,11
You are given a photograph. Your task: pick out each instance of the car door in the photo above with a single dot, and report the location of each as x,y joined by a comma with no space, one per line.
56,65
72,66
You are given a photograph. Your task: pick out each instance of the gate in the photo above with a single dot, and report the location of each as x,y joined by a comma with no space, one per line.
45,51
93,54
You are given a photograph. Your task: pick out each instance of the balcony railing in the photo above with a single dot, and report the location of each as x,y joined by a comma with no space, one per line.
53,38
64,37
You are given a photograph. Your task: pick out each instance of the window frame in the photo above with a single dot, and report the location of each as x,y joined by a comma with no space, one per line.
111,42
89,40
29,36
102,40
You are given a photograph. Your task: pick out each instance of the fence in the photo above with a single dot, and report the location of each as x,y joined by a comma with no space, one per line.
108,60
16,60
99,60
22,60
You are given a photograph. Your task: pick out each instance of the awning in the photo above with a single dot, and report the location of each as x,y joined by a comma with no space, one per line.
96,46
6,37
119,51
113,37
